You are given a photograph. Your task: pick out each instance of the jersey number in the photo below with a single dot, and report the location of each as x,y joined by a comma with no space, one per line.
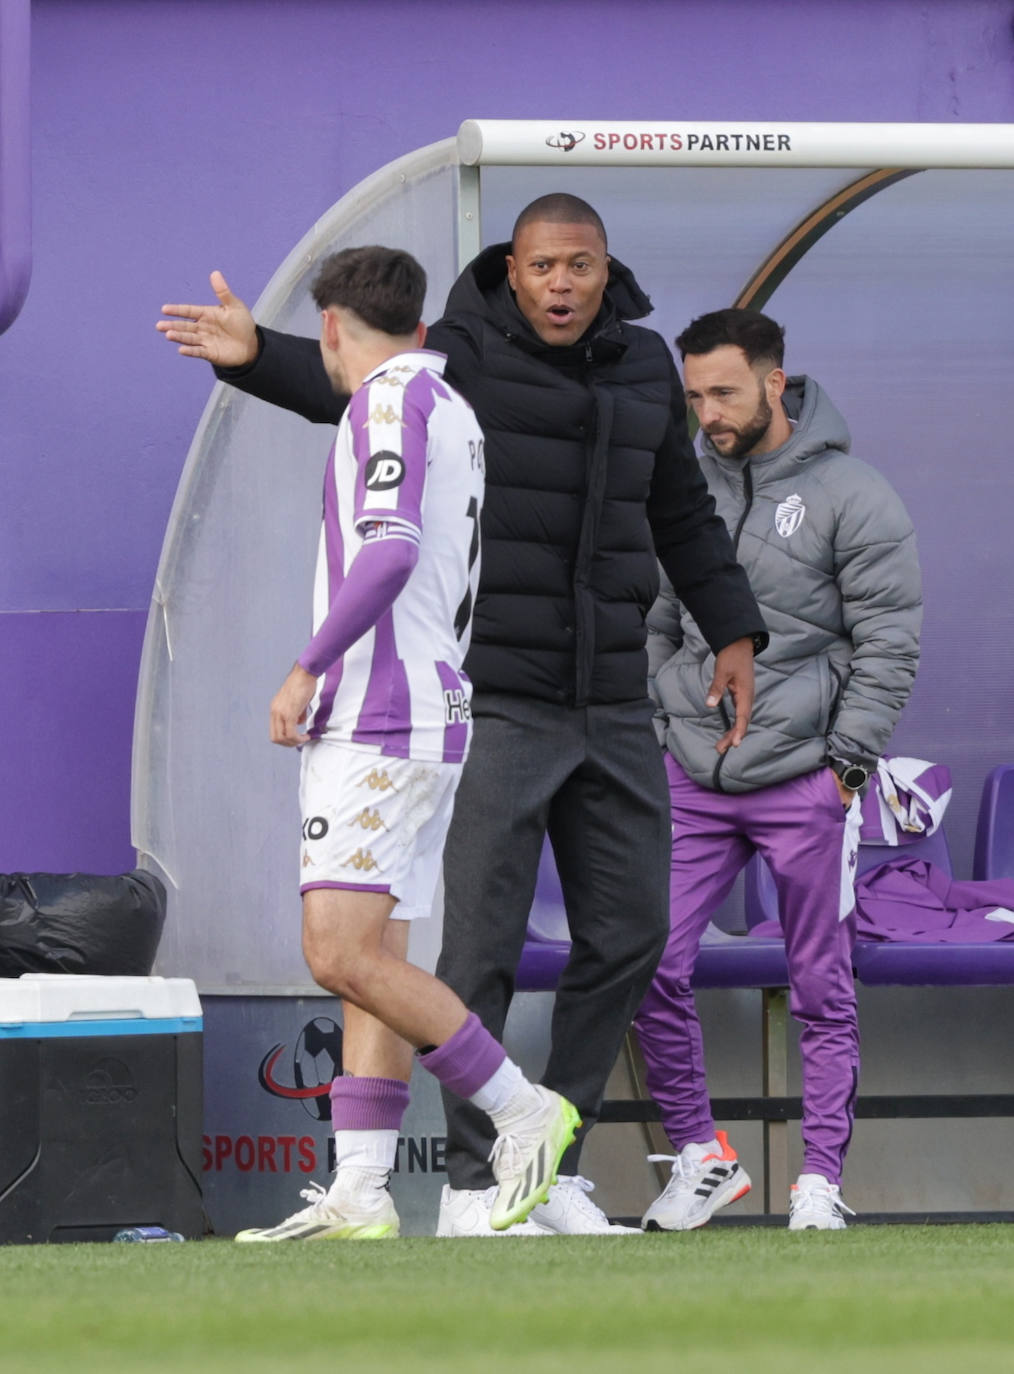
464,612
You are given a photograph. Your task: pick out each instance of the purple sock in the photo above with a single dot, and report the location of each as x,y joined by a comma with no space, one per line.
467,1060
368,1104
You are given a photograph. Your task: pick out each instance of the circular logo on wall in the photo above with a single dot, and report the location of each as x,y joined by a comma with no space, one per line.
316,1062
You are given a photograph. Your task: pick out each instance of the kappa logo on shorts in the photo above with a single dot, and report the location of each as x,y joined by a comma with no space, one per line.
789,515
384,471
365,863
377,782
369,820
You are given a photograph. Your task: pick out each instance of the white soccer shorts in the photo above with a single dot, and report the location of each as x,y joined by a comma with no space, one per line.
374,824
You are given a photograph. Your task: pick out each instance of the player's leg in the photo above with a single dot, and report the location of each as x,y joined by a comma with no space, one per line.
810,844
346,952
338,790
708,851
348,947
368,1103
349,951
352,950
368,1099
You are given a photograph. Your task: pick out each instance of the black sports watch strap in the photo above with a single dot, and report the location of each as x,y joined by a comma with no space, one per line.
854,776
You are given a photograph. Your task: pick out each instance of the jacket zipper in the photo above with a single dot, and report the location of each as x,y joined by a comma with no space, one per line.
748,502
584,620
716,776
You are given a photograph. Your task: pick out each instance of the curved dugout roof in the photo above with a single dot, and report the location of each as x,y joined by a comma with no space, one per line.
895,291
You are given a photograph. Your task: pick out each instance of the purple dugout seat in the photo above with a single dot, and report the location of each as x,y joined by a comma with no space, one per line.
912,964
994,836
547,943
761,898
749,961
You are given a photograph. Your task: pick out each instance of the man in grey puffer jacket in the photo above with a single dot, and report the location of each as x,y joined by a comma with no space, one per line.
831,557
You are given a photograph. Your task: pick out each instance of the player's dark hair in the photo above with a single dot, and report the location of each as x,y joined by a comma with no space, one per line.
558,208
760,338
385,287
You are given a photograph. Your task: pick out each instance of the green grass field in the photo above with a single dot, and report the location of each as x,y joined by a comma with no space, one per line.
922,1299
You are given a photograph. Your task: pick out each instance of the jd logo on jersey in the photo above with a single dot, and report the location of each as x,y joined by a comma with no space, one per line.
384,471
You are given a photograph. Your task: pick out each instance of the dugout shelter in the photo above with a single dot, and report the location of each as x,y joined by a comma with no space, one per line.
886,252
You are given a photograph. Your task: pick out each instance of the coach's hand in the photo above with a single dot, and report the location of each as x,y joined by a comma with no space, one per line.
288,709
734,674
224,334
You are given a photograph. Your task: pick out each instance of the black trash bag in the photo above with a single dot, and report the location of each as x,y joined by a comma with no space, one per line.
80,923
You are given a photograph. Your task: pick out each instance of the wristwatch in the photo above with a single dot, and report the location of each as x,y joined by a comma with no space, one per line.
853,775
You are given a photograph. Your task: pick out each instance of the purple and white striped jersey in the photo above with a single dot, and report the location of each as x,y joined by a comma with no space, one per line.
407,463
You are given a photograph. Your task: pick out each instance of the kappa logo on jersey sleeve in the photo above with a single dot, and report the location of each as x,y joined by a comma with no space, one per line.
384,471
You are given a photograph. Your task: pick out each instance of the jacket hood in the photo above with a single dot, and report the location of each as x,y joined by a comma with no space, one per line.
482,290
819,426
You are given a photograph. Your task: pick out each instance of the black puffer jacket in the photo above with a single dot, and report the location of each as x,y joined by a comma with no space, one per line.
587,462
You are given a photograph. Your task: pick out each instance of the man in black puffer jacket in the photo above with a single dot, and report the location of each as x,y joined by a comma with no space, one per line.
589,474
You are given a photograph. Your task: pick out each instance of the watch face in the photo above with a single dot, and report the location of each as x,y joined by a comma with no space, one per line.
855,777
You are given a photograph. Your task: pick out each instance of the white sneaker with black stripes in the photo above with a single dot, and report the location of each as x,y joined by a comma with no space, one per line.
702,1181
357,1206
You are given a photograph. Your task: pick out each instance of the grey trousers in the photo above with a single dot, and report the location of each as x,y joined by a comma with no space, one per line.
593,779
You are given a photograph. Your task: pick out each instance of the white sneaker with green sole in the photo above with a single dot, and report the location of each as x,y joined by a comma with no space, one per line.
526,1156
353,1208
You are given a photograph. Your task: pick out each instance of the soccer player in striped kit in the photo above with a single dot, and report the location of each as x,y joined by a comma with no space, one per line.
379,706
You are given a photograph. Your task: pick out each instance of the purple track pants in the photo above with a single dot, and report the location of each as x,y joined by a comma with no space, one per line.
809,842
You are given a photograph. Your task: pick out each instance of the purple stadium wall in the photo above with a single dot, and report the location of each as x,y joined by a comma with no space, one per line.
171,138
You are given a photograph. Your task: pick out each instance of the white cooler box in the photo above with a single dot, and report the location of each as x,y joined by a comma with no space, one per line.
102,1089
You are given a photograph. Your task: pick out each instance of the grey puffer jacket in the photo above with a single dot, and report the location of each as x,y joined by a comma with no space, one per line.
831,557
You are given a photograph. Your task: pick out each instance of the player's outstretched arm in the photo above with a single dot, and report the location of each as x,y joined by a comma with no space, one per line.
223,334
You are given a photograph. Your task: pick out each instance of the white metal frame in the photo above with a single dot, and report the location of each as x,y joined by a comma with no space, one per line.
686,143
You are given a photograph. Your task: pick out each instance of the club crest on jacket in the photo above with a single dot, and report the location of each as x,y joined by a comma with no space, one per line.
789,515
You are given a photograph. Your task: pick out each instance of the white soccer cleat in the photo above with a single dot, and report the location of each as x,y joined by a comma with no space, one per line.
348,1210
465,1212
701,1183
526,1156
816,1205
569,1211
